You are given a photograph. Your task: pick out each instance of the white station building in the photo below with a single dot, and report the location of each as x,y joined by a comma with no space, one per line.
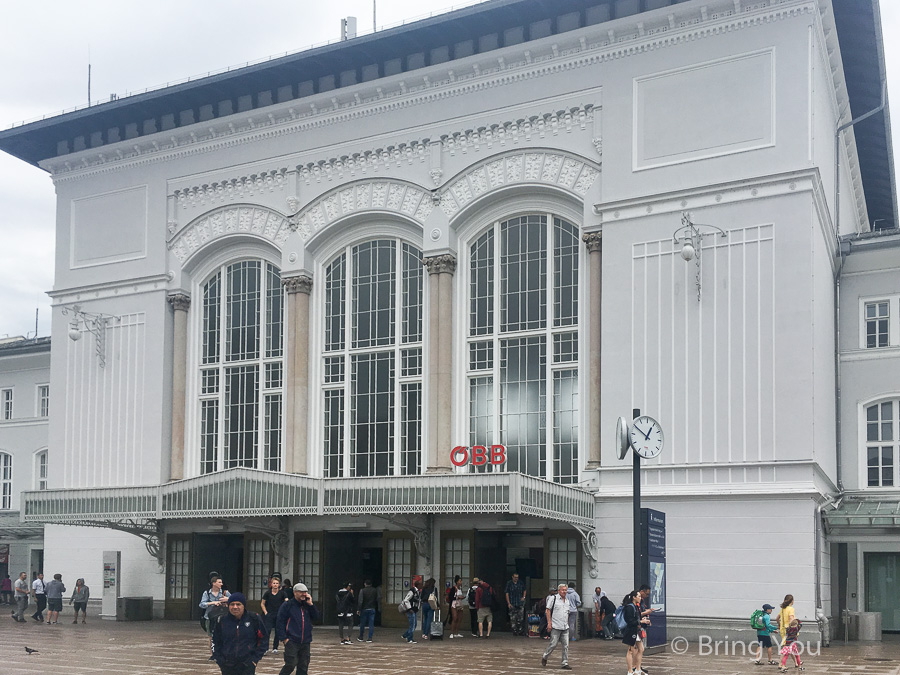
285,293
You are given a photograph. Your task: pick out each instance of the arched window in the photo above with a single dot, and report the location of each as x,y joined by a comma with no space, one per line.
6,461
372,361
882,443
523,344
40,470
241,368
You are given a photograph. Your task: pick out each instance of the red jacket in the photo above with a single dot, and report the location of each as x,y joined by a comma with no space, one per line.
483,588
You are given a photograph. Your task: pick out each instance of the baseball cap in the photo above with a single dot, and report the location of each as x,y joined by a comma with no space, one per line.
237,597
475,580
301,587
767,606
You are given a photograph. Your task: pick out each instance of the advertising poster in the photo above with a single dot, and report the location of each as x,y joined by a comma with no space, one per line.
653,544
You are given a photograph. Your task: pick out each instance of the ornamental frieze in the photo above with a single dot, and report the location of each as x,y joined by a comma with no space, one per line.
253,220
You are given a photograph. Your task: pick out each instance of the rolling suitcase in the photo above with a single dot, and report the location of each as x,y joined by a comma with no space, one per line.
437,628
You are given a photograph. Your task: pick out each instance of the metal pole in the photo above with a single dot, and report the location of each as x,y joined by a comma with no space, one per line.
636,475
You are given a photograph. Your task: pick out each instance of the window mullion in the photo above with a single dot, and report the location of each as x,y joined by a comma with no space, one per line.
346,346
223,332
261,369
497,273
549,289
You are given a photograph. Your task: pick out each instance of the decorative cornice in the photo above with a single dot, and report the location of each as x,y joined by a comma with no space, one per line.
440,264
110,289
179,301
611,41
367,161
301,283
535,126
232,189
593,241
523,167
253,220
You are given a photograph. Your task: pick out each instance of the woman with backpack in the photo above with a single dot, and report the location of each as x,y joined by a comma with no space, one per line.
214,602
634,633
411,601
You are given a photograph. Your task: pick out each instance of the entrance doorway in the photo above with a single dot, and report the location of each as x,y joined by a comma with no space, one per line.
883,588
221,553
353,557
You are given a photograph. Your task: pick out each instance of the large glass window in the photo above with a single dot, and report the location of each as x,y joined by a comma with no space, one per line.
40,470
457,556
241,368
372,362
523,344
399,569
563,558
877,318
882,444
308,562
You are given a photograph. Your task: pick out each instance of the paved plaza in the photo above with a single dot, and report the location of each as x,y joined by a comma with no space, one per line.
175,647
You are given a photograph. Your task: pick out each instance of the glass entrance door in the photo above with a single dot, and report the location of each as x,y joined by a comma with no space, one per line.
883,588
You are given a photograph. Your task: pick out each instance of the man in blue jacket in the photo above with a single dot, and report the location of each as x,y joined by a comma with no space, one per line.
239,639
294,629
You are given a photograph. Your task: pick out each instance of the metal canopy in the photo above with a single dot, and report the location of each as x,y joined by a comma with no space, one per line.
865,514
243,492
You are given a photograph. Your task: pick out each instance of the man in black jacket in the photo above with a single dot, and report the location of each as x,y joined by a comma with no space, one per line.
239,639
345,608
295,626
368,603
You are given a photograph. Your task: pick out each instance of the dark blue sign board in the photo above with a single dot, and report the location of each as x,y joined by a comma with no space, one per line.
653,559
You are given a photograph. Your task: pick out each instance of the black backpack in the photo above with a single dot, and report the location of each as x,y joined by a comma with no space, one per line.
470,597
487,597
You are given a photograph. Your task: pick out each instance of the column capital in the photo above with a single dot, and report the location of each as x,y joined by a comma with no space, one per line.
593,240
179,301
438,264
297,284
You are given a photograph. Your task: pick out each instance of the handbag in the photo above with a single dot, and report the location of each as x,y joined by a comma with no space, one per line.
433,601
404,607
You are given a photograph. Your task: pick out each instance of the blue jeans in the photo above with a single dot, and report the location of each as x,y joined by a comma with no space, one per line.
367,617
427,616
412,616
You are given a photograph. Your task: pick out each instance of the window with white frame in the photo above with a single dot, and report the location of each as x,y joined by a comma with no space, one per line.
877,324
563,559
399,569
457,555
308,563
6,401
40,470
882,444
5,481
43,400
523,344
372,361
241,368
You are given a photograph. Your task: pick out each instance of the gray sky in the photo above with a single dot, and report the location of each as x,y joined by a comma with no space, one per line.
44,50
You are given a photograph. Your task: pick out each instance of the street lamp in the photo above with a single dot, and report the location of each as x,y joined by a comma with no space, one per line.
690,236
93,323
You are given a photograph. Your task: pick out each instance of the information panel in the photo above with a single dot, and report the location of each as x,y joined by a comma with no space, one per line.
653,556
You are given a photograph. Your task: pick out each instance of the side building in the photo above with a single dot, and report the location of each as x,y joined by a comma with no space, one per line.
300,296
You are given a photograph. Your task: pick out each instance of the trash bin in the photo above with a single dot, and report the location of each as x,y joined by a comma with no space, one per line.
134,609
870,626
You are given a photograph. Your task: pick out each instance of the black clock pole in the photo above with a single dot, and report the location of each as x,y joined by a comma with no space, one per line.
636,476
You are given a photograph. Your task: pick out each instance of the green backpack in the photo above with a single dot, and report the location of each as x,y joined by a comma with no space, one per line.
756,620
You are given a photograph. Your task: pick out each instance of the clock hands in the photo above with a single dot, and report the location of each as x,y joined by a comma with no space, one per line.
647,435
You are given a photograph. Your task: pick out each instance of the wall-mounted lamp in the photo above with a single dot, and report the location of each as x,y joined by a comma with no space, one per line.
690,236
94,324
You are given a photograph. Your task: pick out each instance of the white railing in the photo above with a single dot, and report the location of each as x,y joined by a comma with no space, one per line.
248,492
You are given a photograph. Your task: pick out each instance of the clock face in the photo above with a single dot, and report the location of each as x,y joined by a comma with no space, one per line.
646,437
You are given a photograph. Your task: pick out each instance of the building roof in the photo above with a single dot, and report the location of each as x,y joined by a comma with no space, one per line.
15,346
478,29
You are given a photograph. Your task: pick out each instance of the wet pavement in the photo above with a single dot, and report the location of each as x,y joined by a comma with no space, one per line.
176,647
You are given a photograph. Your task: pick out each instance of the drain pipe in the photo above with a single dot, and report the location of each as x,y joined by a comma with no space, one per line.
822,619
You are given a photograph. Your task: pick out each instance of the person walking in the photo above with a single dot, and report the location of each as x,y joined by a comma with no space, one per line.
214,603
80,597
39,591
21,589
634,632
558,621
473,611
271,602
515,604
239,638
365,607
484,604
429,604
457,605
6,594
295,626
764,635
55,590
574,603
786,615
346,601
411,601
790,648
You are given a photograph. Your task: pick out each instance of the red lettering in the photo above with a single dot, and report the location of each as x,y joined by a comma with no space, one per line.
498,454
456,452
479,455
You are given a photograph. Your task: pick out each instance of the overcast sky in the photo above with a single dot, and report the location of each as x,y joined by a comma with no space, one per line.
44,49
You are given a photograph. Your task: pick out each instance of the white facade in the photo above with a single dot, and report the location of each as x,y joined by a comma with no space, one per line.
726,111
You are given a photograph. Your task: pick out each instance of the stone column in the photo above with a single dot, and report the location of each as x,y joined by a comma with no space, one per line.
440,361
296,374
180,303
594,243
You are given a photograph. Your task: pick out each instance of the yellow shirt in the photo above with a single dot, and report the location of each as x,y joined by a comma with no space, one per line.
784,620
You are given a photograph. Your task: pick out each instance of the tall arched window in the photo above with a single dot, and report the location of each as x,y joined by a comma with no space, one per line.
523,344
882,443
5,481
40,470
372,362
241,368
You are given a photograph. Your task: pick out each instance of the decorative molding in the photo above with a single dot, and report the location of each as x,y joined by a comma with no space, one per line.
596,45
109,290
301,283
254,220
368,161
522,167
232,189
180,301
440,264
593,241
389,196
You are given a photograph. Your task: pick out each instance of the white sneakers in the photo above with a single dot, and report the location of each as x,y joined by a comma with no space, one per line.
458,635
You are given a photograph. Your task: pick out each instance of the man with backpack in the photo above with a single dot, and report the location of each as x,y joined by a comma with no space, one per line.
239,639
484,606
473,610
761,622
